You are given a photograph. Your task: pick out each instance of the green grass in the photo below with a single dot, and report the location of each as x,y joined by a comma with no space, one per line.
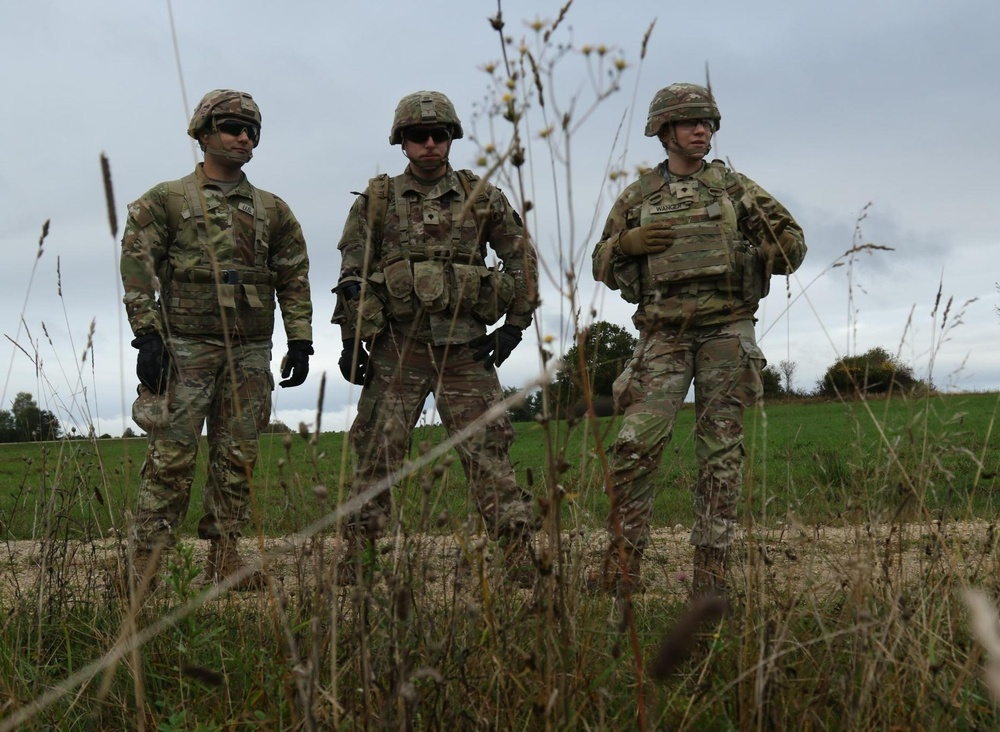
822,460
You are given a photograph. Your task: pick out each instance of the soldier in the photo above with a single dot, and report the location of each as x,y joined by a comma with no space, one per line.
693,245
203,260
413,302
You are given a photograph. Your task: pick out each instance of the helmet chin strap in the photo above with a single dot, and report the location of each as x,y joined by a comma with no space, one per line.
220,152
689,151
428,165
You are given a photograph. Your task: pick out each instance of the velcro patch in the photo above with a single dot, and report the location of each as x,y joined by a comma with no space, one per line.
245,208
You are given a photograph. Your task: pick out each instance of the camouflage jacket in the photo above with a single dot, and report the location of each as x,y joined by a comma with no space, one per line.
427,276
721,220
164,239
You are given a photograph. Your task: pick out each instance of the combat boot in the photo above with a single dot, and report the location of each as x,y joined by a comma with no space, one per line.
139,572
610,579
356,548
224,560
348,564
519,559
709,578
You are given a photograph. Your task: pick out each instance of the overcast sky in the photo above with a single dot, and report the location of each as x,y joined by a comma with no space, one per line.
885,110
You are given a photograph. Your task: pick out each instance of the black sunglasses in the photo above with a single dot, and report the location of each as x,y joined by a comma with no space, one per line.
236,126
420,134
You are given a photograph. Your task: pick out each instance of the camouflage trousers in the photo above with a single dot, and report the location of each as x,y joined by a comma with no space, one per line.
724,363
236,402
401,374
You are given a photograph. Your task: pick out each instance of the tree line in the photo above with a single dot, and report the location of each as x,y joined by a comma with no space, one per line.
602,351
26,422
592,364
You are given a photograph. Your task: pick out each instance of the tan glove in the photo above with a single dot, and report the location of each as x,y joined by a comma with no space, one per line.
775,252
649,239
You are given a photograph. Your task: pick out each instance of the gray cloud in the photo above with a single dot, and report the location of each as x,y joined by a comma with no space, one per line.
828,107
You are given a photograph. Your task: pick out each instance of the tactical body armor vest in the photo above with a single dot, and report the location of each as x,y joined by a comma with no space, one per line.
238,300
708,253
431,259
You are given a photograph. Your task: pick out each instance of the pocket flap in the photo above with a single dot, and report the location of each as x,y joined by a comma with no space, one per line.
468,278
399,279
428,280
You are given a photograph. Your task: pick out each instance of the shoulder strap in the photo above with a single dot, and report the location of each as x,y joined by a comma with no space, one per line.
475,189
265,210
176,193
378,205
650,181
270,208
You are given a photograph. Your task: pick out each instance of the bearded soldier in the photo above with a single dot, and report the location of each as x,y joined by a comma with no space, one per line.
414,300
204,259
693,244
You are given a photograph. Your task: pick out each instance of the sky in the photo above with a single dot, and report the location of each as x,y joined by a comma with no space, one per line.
867,120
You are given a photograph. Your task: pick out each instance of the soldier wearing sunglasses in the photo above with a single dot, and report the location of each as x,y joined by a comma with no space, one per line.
415,298
205,259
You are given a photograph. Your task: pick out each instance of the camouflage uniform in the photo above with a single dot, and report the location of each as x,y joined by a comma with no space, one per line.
696,303
202,266
418,252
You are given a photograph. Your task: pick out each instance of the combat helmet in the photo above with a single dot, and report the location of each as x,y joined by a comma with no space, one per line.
424,108
678,102
226,103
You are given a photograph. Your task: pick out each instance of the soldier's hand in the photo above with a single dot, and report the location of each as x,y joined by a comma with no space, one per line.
649,239
494,348
353,371
771,251
295,364
152,365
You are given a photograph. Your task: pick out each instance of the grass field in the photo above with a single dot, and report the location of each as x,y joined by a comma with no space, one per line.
821,461
866,526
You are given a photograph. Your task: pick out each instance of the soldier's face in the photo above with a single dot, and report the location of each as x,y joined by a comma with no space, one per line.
427,147
228,149
692,137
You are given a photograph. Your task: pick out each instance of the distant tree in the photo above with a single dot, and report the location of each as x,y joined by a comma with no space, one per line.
48,426
32,423
8,427
277,427
772,382
874,372
606,348
129,432
526,410
788,369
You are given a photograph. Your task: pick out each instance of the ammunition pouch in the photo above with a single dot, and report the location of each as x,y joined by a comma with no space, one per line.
468,284
756,283
399,288
430,285
496,295
438,285
363,313
239,301
628,277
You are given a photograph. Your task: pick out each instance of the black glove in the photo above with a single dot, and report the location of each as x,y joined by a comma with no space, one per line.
152,365
493,348
355,375
296,363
